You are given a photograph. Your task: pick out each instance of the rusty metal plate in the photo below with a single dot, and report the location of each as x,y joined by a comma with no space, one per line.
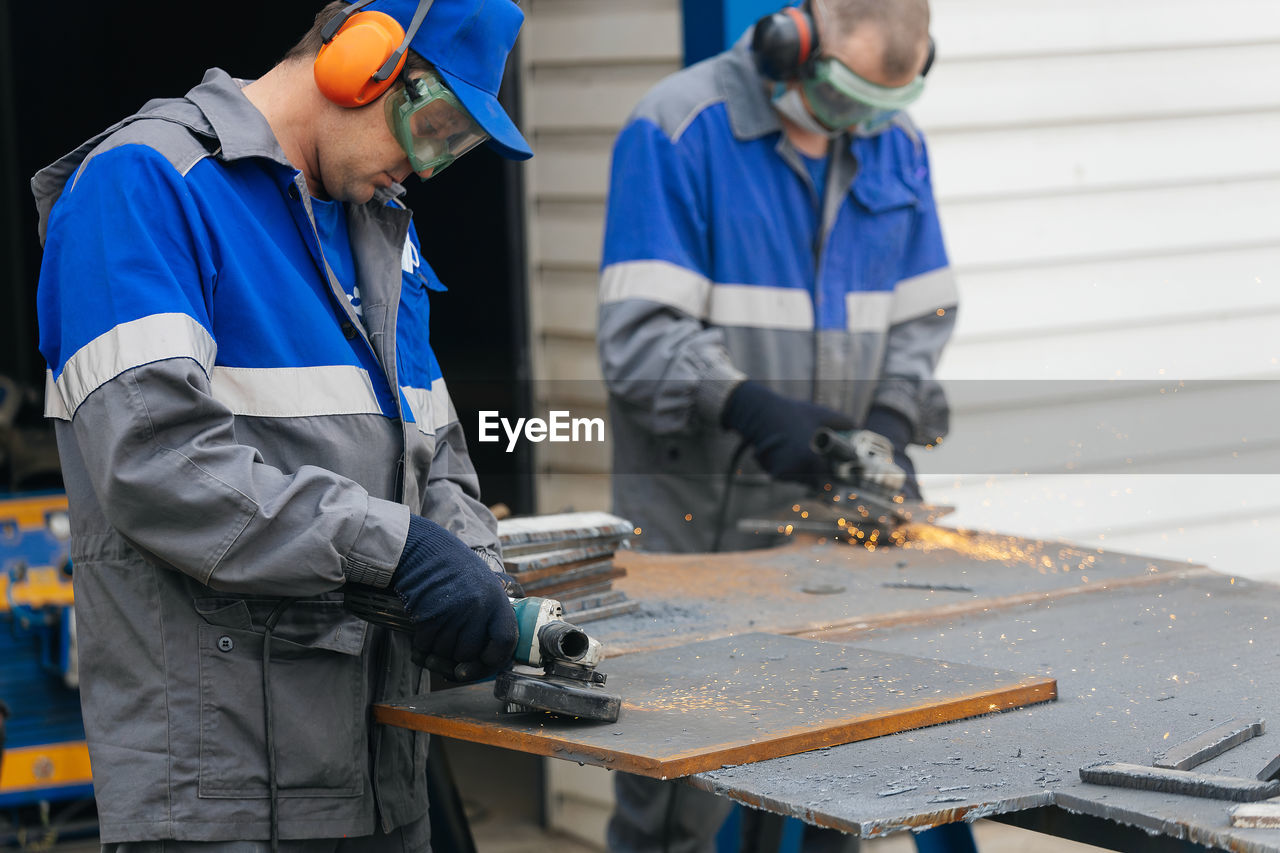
566,583
543,563
812,585
735,700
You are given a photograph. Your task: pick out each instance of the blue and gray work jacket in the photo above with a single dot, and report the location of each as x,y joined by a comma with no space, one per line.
233,434
722,261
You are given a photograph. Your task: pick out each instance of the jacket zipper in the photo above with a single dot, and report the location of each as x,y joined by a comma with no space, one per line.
393,384
380,657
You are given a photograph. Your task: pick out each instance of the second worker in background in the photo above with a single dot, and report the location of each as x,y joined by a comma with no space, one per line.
773,263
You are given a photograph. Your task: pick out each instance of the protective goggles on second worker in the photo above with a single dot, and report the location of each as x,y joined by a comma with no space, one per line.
840,98
430,123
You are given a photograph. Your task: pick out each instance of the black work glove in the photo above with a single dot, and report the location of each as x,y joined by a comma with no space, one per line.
779,431
895,427
463,625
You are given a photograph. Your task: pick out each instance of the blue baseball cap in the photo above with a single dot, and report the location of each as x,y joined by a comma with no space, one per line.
468,41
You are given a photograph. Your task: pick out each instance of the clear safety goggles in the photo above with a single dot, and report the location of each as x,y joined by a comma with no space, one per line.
430,123
840,98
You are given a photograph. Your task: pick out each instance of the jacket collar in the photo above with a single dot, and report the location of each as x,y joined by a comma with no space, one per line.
751,115
751,112
241,130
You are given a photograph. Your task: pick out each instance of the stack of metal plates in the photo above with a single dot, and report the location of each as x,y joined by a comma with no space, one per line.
569,557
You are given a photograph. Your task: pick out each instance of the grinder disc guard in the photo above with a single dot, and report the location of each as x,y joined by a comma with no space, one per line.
571,697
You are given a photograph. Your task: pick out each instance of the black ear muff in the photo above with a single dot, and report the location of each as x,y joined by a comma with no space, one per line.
785,43
928,60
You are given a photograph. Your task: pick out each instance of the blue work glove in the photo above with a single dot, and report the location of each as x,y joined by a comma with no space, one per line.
779,431
895,427
463,625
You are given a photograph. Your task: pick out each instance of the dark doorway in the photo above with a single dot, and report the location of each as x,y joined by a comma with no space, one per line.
71,68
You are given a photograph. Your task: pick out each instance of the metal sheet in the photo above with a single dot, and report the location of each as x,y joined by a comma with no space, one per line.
1141,778
578,579
566,570
1257,815
1147,652
1137,668
734,700
590,599
550,560
810,585
545,532
602,611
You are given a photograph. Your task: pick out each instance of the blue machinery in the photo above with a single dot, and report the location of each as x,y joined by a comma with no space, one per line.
45,762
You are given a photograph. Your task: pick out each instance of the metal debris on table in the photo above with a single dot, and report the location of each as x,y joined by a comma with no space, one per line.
1209,744
1167,781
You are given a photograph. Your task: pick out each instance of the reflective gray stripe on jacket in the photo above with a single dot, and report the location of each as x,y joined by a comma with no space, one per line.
200,495
673,343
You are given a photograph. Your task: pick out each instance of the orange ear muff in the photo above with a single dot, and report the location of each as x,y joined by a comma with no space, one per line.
803,32
345,65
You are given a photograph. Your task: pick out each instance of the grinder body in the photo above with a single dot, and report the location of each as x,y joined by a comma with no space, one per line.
569,682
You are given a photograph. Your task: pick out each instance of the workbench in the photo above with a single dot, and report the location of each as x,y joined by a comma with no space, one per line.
1146,653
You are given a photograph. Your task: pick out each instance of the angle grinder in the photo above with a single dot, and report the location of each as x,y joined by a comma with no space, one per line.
554,667
864,501
864,472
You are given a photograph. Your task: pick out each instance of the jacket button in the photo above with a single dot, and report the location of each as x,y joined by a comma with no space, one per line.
349,330
225,644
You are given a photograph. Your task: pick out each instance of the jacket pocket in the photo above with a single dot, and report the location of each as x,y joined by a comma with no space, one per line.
317,690
885,209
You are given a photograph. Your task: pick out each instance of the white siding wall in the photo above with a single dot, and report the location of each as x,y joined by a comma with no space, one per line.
585,64
1109,180
1110,189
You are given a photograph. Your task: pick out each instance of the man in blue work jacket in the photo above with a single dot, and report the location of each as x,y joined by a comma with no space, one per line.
773,263
234,310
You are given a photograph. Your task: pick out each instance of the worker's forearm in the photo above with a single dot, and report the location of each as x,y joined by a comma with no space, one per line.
171,478
452,496
665,364
925,319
